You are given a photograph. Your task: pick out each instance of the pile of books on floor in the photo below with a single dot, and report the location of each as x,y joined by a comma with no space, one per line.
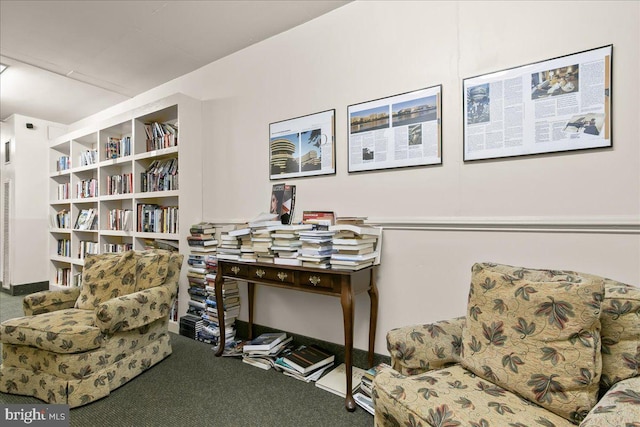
305,363
202,245
277,351
363,392
263,351
231,306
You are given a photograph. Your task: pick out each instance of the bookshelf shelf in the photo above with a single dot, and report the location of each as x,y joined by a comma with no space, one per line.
114,154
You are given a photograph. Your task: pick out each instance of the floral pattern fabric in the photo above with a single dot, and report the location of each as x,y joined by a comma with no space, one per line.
539,339
128,333
151,268
106,276
453,397
410,355
419,392
67,331
48,301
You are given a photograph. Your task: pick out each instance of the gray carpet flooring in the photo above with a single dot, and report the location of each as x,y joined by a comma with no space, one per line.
193,387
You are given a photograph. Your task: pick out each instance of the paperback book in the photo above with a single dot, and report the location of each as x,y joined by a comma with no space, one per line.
265,341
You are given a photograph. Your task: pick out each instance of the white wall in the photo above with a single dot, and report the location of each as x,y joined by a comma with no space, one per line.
29,172
578,210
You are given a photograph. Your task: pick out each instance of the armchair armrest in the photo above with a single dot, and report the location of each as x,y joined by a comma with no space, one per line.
48,301
134,310
620,406
421,348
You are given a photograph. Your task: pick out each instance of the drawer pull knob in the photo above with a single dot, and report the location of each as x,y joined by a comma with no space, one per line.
260,273
235,269
314,280
282,275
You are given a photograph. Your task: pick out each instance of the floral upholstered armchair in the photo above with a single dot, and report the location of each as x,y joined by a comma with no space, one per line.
74,346
536,348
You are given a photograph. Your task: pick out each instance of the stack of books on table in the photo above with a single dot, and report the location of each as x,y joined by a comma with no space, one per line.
306,363
263,351
355,246
287,244
256,246
317,248
230,243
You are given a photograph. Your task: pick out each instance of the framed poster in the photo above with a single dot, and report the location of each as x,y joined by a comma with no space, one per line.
561,104
304,146
398,131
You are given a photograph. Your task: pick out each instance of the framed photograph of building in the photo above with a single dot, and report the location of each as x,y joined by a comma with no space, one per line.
561,104
303,146
398,131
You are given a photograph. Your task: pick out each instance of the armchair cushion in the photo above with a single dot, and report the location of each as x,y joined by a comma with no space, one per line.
620,320
620,406
106,276
134,310
538,337
47,301
151,269
411,355
66,331
452,397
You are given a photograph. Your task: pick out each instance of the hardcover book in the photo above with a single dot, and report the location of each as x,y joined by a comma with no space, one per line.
306,359
336,381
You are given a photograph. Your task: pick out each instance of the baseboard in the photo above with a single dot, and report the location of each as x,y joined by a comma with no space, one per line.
360,357
26,288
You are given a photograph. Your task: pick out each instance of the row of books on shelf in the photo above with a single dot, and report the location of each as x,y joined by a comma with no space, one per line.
63,163
87,247
88,157
120,219
119,184
87,219
117,147
87,188
161,135
64,277
64,247
161,175
64,191
153,218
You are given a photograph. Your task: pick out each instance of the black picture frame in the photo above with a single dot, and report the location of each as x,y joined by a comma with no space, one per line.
556,105
304,146
399,131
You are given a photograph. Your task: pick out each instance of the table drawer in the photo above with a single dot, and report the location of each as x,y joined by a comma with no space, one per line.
272,274
236,270
317,280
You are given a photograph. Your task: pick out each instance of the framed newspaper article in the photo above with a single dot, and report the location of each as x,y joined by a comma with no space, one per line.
561,104
304,146
398,131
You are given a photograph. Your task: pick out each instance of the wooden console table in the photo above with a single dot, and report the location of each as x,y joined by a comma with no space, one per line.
337,283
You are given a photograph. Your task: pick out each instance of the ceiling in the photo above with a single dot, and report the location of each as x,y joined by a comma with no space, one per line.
70,59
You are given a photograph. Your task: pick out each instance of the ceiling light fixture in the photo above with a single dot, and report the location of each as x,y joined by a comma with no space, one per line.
3,67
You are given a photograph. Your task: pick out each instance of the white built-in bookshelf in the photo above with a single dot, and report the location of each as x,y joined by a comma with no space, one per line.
125,180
